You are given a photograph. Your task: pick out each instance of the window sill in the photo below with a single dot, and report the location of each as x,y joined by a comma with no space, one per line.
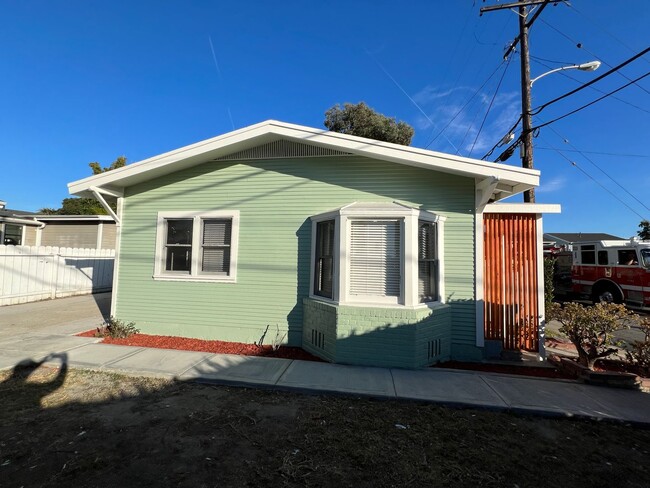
208,279
431,305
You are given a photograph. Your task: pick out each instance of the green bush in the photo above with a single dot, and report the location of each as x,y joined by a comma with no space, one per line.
639,352
590,329
116,329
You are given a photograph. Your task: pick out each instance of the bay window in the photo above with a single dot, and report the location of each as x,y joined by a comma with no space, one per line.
377,254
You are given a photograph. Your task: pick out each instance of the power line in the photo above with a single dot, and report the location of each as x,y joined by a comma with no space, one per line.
590,103
566,75
514,126
600,169
601,153
409,97
465,105
489,107
579,45
575,165
589,83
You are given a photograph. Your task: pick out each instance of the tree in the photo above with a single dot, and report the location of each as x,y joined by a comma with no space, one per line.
644,233
361,120
85,206
97,169
590,329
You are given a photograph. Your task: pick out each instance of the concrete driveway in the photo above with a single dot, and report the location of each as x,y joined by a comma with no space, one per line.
61,316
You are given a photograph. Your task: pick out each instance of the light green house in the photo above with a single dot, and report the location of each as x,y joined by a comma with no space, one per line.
359,251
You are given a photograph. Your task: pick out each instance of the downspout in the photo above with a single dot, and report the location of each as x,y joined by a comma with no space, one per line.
97,193
484,190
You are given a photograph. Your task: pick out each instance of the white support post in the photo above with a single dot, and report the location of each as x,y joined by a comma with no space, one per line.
541,331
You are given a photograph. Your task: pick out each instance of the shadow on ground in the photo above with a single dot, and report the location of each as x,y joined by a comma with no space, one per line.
70,427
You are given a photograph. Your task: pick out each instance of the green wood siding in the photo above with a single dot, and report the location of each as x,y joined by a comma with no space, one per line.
275,199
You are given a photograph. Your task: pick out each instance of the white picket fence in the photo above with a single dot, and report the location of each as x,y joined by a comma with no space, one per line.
31,273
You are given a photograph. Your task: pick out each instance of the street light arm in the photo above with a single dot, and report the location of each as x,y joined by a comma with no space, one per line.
590,66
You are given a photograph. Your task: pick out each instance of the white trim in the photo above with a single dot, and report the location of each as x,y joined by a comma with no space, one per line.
97,193
409,217
513,178
479,277
197,229
523,208
118,251
541,320
101,218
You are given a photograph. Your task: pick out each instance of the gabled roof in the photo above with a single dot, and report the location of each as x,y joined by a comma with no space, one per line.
511,179
572,237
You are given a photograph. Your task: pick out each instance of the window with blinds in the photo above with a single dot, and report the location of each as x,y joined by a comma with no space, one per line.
375,258
324,259
427,262
215,246
197,246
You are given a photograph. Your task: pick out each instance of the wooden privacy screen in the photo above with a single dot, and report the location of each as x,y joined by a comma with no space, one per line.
510,280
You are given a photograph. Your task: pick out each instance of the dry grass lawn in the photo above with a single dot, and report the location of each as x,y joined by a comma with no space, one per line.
81,428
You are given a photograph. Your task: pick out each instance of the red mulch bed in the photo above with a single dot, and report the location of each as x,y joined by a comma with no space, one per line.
219,347
506,369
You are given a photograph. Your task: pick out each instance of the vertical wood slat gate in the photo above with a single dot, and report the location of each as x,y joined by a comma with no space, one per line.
510,280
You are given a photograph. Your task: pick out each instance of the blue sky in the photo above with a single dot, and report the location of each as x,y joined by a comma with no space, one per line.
88,81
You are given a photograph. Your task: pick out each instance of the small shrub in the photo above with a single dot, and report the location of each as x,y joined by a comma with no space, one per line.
590,329
276,342
116,329
639,352
549,283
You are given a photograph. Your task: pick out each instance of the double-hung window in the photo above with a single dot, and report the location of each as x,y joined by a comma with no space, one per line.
197,246
378,253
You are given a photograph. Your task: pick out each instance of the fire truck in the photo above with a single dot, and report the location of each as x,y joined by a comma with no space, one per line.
611,271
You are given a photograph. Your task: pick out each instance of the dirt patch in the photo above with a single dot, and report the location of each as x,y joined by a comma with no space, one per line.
218,347
80,428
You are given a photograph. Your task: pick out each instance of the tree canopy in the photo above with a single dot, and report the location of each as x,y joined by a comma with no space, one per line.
85,206
361,120
644,232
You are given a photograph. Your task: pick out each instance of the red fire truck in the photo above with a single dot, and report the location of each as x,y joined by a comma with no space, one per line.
612,271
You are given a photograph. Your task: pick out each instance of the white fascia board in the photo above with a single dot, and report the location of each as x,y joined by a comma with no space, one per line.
210,149
523,208
103,218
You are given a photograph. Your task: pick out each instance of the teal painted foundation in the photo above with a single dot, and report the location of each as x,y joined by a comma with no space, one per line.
375,336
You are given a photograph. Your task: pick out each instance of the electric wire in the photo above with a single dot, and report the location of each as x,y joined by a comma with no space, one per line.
575,165
409,97
568,76
514,126
590,103
496,92
579,45
465,105
601,153
589,83
600,169
602,28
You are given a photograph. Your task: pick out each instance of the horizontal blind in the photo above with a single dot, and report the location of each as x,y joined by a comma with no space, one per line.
427,262
216,246
375,250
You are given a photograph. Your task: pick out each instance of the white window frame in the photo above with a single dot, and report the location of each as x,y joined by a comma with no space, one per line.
409,218
197,228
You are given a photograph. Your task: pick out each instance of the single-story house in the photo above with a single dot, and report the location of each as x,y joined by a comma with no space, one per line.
565,240
360,251
22,228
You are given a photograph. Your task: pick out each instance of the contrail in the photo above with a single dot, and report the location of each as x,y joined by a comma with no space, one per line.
216,65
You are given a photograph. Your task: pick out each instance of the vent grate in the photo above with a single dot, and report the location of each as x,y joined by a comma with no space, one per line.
434,348
318,339
282,149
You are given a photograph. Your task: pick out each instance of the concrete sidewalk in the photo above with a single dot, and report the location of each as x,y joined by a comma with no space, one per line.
447,387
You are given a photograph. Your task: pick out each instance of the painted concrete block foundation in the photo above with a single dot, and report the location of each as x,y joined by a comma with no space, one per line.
375,336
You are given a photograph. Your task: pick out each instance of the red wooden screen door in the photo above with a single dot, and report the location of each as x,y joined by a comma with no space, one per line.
510,280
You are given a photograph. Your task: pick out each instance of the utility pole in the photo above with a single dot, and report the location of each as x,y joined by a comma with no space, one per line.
526,117
522,38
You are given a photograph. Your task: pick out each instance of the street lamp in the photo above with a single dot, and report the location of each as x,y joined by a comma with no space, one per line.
590,66
527,118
